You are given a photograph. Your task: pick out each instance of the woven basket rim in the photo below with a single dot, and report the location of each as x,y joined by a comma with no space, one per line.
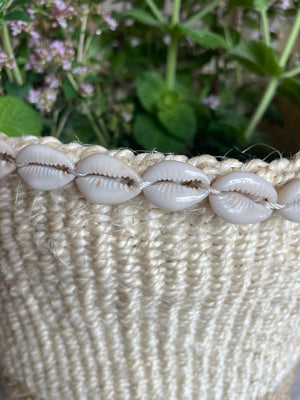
278,171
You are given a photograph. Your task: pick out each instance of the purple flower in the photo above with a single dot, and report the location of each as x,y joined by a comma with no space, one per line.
211,101
46,54
52,82
61,12
60,5
127,117
111,22
31,12
86,88
285,4
57,48
6,61
17,27
81,70
43,98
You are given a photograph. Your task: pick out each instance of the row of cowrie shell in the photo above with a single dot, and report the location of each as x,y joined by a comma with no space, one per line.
238,197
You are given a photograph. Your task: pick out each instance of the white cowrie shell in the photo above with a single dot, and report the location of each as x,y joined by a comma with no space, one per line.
175,185
44,168
7,156
289,195
104,179
235,205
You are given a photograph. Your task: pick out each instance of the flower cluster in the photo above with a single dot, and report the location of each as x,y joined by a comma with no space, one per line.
16,27
111,22
5,60
60,13
211,101
47,54
45,97
86,89
81,70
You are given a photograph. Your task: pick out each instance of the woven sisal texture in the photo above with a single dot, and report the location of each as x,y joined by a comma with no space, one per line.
15,391
283,391
130,302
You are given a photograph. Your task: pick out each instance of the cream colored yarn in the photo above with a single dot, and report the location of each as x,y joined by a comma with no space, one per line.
130,302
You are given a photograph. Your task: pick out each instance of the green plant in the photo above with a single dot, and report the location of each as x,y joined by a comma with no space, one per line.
199,77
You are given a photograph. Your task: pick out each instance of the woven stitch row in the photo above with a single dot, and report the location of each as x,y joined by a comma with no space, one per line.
174,185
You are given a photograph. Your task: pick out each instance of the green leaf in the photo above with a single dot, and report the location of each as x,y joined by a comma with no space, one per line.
261,5
168,99
150,88
21,2
78,127
14,89
1,19
240,3
234,37
17,16
221,135
225,96
251,22
141,16
151,135
17,118
94,47
179,121
204,37
204,58
68,91
257,58
290,88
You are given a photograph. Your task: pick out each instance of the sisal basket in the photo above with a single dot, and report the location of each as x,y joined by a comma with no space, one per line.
130,302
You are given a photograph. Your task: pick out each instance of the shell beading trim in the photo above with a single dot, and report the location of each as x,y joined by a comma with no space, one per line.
238,197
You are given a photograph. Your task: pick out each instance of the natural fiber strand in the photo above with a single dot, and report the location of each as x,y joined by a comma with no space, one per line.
130,302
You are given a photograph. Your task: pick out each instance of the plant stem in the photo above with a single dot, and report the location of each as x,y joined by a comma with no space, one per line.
82,35
9,74
103,127
291,41
176,12
200,14
87,110
171,62
62,123
263,105
238,71
291,73
54,119
9,50
153,7
8,4
93,123
173,48
271,88
73,82
265,23
87,44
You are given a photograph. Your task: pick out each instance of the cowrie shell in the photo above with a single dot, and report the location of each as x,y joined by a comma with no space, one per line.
104,179
44,168
7,156
235,203
289,195
175,185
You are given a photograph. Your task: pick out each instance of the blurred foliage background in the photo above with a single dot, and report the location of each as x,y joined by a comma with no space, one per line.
190,76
